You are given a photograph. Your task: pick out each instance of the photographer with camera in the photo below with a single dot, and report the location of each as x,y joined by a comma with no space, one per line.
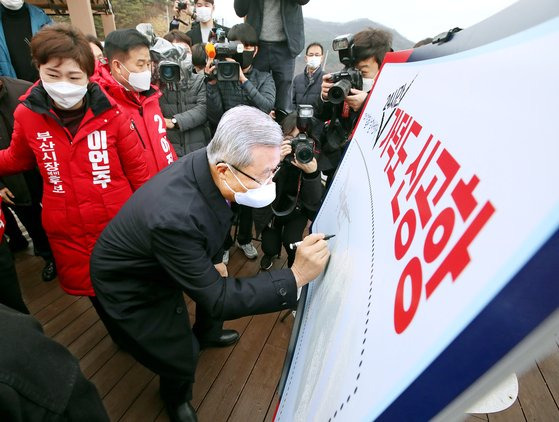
232,81
183,15
298,187
344,93
205,28
183,99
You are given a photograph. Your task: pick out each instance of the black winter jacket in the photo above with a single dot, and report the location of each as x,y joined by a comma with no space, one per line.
259,91
26,186
306,90
188,106
39,379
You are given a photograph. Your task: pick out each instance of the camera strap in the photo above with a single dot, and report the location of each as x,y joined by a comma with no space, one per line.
345,110
293,204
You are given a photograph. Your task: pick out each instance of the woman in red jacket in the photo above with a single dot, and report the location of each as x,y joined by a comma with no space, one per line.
87,152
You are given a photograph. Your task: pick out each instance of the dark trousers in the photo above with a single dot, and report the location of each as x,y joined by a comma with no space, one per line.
244,229
284,230
176,374
275,57
10,293
30,217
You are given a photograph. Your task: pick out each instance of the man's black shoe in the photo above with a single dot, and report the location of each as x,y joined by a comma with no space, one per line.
181,412
18,244
49,271
266,262
227,338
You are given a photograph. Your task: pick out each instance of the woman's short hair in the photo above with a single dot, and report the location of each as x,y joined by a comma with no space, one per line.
240,130
62,41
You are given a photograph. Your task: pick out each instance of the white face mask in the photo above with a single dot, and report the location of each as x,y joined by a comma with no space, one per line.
65,94
203,14
368,84
12,4
139,81
254,198
313,62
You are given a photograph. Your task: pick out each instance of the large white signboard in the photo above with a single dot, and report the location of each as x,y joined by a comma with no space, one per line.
447,190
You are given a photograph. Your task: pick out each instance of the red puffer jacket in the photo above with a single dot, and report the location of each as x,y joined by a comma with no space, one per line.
86,178
147,118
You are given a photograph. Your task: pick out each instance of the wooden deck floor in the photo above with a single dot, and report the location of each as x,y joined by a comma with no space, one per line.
232,384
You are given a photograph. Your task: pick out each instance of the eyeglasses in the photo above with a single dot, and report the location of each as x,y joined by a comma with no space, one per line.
265,182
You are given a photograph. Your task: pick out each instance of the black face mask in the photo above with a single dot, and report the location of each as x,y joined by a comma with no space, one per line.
248,56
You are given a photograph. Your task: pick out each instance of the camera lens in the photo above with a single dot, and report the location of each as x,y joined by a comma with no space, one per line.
339,91
227,71
304,152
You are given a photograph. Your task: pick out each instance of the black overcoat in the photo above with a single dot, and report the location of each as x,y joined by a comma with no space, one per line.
165,241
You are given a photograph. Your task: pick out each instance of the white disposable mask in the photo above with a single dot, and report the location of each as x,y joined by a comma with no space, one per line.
139,81
254,198
368,84
313,62
65,94
203,14
12,4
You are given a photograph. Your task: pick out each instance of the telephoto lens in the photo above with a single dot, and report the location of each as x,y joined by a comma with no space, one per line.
338,92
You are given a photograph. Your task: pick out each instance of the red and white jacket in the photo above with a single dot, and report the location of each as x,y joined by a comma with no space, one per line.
86,177
147,119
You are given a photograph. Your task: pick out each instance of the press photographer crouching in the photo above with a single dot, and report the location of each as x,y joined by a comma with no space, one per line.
344,93
298,187
183,99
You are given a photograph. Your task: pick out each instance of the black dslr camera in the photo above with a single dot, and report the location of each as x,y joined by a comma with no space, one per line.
348,78
302,145
225,70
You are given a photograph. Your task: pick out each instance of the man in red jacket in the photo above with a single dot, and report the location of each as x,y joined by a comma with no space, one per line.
127,79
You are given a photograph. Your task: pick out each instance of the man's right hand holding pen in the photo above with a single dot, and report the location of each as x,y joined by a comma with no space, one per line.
310,259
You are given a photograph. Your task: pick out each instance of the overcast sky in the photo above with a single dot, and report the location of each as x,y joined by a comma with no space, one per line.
414,19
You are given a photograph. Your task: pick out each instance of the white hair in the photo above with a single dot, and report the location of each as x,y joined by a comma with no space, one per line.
240,130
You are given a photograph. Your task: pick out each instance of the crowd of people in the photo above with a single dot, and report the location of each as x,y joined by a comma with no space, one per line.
138,162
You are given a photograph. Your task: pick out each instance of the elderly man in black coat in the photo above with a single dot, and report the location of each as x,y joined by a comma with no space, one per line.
167,239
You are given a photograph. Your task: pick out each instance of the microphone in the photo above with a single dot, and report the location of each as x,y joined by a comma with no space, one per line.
210,50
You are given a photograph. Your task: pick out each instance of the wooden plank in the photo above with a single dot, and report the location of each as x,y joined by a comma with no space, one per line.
272,408
259,390
32,293
125,392
112,371
475,417
54,308
88,340
54,293
147,406
64,318
211,362
512,414
535,399
77,327
549,368
224,393
98,356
